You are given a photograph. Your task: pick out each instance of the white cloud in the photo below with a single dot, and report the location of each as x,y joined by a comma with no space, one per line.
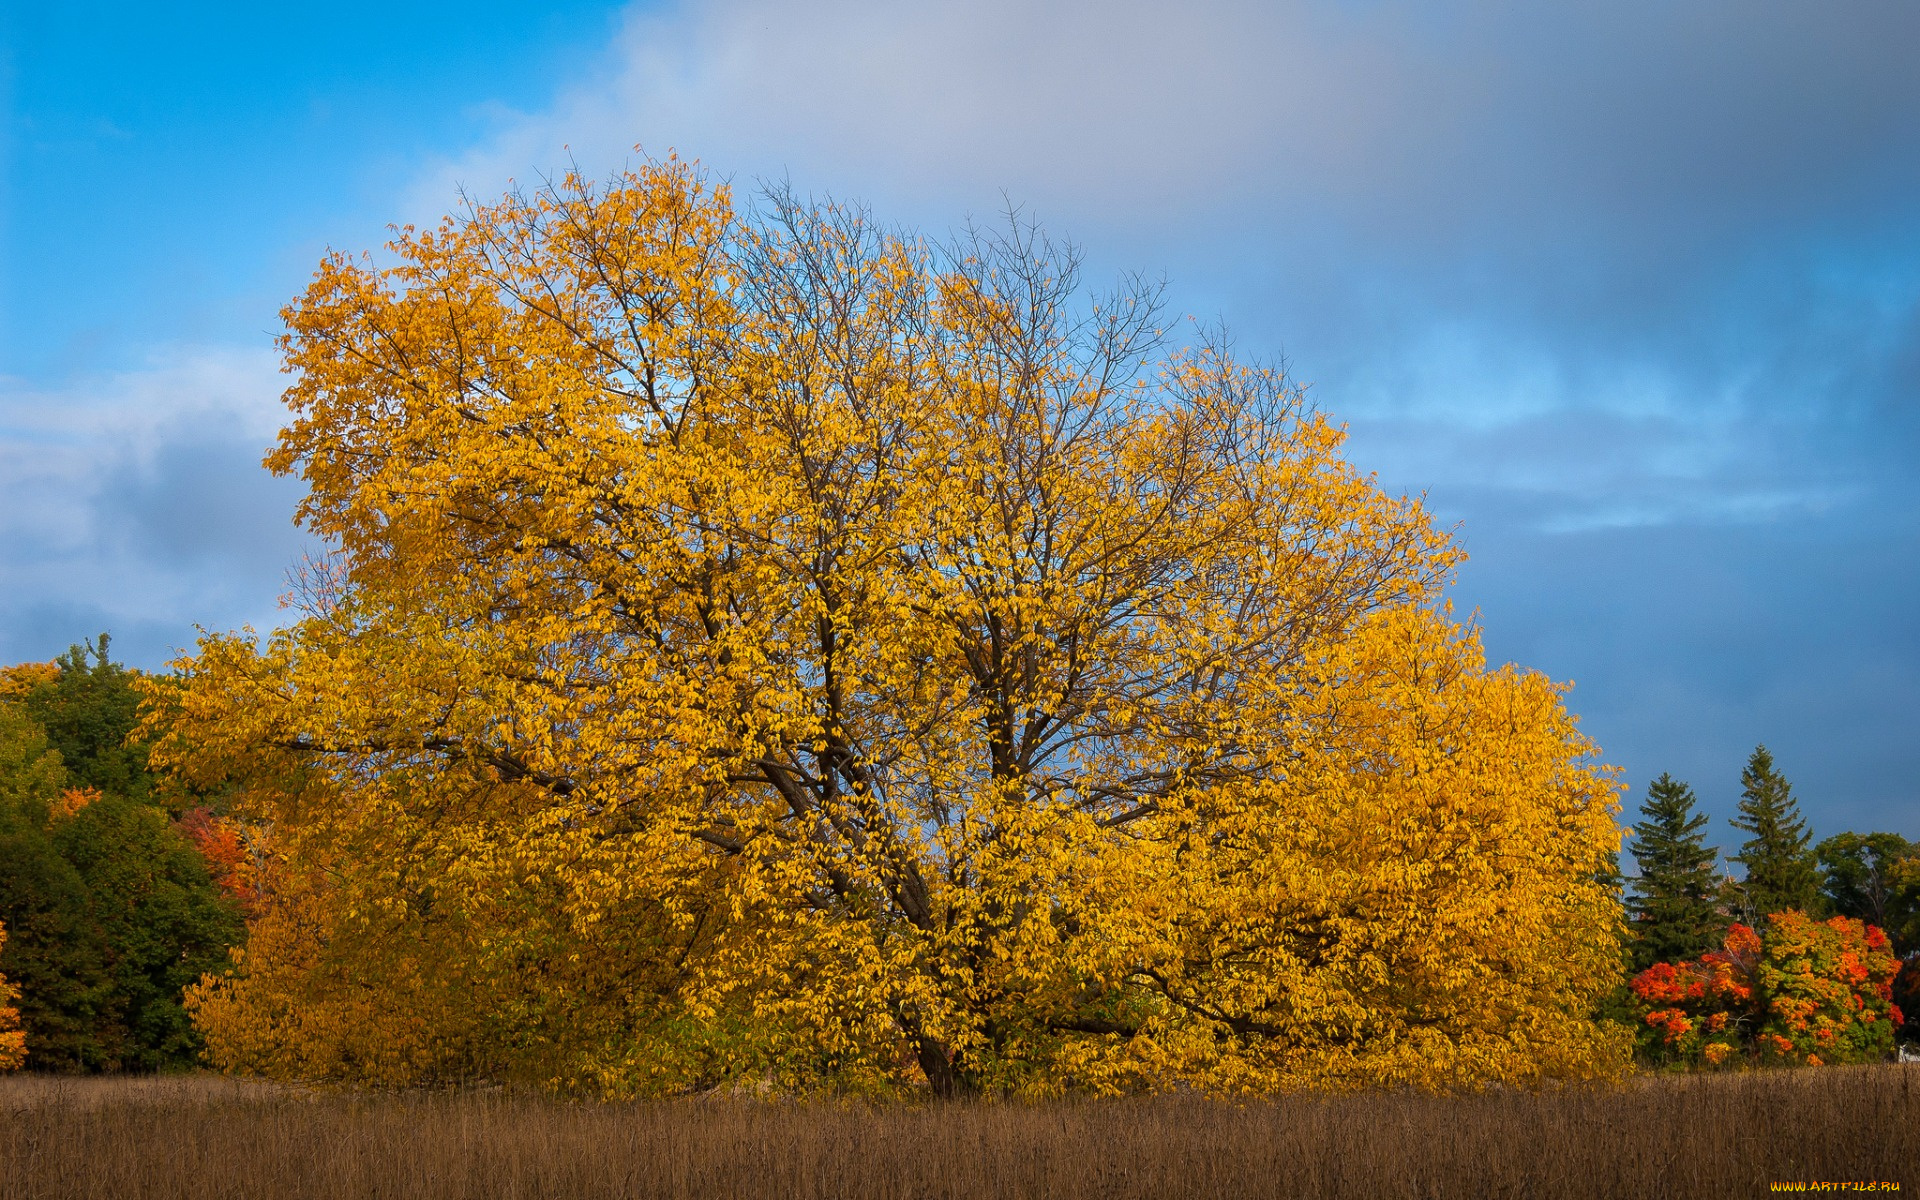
59,446
136,500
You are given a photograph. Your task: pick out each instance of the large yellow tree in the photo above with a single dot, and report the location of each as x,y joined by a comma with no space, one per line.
766,643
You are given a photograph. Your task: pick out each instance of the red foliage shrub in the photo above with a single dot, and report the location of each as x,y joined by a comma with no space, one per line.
1829,988
1804,992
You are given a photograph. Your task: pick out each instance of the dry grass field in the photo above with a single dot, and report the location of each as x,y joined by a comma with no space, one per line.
1656,1138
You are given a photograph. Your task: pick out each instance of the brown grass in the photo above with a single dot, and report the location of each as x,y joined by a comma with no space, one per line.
1670,1137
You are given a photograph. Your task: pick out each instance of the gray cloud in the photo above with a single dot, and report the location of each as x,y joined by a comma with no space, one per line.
135,503
1435,127
199,501
1699,208
1631,291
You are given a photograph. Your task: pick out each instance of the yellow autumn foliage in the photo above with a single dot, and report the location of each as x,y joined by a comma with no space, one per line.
766,646
18,680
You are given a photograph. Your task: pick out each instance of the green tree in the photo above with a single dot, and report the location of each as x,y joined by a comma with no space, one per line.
159,913
54,952
1872,876
31,771
109,909
89,710
1675,906
56,955
1782,874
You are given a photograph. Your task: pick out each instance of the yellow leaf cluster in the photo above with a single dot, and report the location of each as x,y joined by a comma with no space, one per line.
765,645
20,679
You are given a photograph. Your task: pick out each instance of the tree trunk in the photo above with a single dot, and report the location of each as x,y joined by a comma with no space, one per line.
937,1062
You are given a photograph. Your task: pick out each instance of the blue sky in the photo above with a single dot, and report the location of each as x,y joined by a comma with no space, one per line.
1630,291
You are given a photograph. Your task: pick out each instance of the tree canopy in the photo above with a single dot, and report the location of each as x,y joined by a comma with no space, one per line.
109,910
1875,877
1801,992
764,643
88,706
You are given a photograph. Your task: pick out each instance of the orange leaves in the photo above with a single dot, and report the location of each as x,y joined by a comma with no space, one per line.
71,801
1804,991
1743,943
13,1040
236,857
1717,980
1830,985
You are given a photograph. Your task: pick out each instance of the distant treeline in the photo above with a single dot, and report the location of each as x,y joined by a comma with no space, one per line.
1684,900
107,907
1800,959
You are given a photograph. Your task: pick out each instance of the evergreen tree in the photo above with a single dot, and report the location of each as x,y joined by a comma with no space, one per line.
1781,871
1675,906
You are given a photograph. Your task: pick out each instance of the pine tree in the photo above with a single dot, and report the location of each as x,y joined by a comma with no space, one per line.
1675,903
1779,860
